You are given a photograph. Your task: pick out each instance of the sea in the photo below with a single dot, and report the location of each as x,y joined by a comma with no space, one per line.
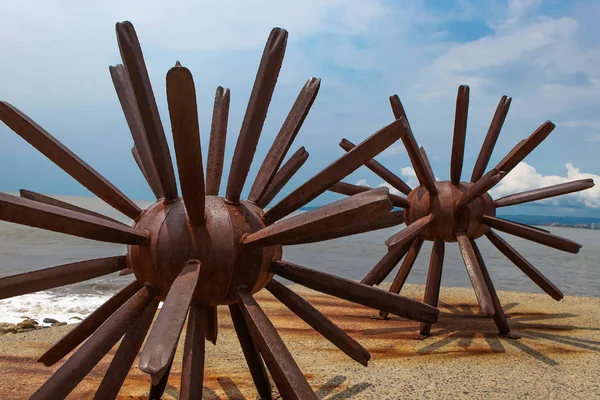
24,249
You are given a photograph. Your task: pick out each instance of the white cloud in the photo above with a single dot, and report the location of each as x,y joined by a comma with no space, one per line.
525,177
362,182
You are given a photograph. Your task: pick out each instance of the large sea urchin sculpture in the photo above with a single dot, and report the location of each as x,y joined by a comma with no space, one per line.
457,211
200,251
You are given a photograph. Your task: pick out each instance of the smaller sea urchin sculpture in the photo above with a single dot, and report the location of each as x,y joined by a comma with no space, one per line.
456,211
200,251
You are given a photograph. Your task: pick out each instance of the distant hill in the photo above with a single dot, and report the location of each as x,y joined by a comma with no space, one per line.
577,222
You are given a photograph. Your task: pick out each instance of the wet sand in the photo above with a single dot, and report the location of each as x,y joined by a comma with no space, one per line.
558,355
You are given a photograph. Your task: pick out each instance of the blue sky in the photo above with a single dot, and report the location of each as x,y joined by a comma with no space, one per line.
544,54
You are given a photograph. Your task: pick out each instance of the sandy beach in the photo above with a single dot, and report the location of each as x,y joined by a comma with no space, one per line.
557,356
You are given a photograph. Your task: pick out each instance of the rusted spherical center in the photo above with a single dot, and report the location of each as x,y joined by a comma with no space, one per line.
225,265
448,218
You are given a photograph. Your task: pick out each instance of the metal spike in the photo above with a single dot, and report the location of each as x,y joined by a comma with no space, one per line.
534,235
133,59
410,232
349,189
434,280
89,325
68,376
256,113
38,215
128,102
181,96
56,152
339,215
40,198
284,139
162,340
251,353
356,292
62,275
386,265
319,322
460,132
218,137
544,193
283,176
192,370
536,276
404,270
125,356
499,317
474,269
337,171
490,139
522,150
380,170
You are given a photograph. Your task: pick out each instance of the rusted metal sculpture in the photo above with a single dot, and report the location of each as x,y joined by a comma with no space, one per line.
201,250
457,211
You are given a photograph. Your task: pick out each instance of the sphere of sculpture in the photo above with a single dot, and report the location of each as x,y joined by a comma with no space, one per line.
449,218
225,265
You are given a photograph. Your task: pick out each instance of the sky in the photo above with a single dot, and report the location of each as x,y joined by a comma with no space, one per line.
543,54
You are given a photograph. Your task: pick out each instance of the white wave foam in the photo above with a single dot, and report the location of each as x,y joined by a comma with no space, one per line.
49,305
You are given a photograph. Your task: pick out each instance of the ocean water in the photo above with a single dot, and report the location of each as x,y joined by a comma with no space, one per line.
25,249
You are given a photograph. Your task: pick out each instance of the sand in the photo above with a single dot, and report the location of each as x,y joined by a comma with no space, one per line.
557,356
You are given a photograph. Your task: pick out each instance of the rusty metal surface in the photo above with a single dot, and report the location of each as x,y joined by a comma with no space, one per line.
338,170
534,235
218,138
251,353
61,275
256,113
475,275
349,190
183,111
557,356
380,170
460,133
125,355
132,115
133,59
66,378
284,138
285,372
499,317
162,341
212,324
490,138
44,216
520,262
458,211
319,322
283,176
192,368
526,146
385,266
411,231
356,292
234,241
158,389
544,193
27,194
89,325
66,160
434,281
152,180
404,270
331,221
